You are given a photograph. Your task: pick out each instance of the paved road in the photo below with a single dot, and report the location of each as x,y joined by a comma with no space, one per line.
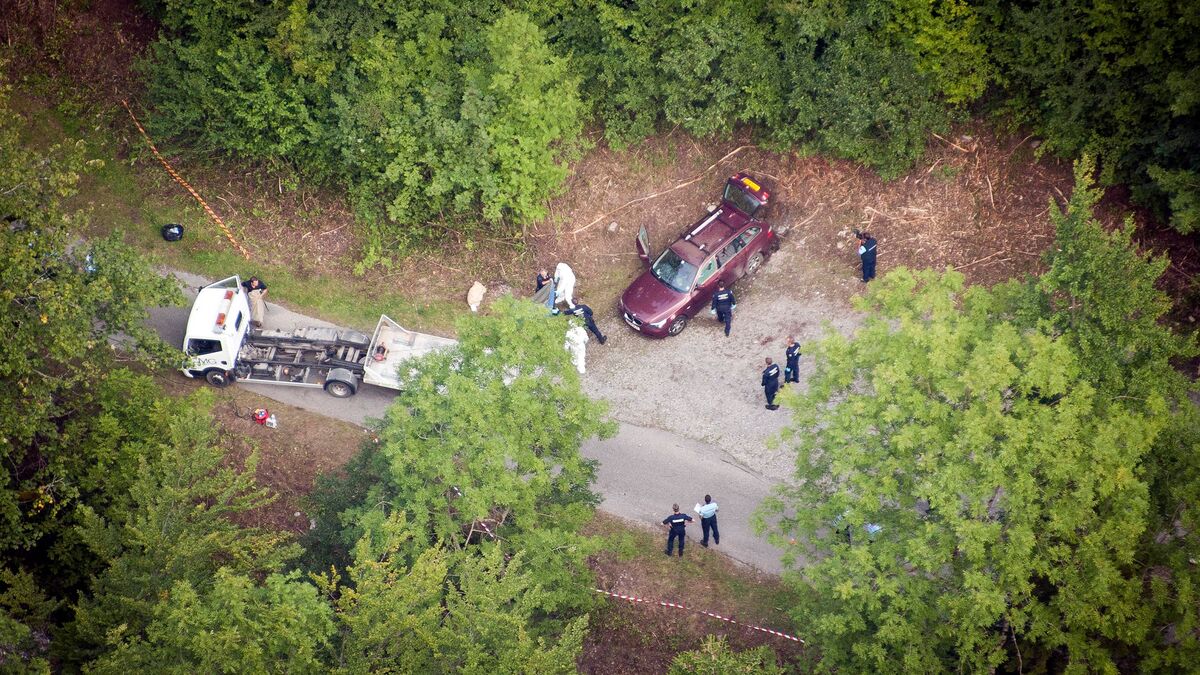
642,470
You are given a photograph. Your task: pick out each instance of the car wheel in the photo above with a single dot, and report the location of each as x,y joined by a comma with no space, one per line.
677,326
218,378
754,263
339,389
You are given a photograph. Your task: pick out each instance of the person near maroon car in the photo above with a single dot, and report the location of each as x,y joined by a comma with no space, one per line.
770,383
723,303
677,522
585,312
791,373
867,252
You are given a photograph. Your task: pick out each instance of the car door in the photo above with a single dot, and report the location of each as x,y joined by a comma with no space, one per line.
705,286
735,254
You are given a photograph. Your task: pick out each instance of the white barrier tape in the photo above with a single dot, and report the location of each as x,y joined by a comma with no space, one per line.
726,619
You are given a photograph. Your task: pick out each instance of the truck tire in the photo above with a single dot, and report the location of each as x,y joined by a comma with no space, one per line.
218,378
341,383
339,389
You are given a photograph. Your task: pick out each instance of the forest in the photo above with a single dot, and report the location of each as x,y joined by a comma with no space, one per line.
476,112
987,478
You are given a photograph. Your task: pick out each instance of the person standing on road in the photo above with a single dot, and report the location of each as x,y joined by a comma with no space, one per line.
770,383
867,252
708,521
791,373
256,290
676,522
583,311
723,304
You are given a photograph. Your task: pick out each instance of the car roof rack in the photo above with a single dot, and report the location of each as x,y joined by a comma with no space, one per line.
703,224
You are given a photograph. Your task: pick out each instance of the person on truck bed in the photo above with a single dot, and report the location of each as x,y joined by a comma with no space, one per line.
257,292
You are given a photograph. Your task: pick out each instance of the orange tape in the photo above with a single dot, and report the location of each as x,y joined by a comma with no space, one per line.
726,619
179,179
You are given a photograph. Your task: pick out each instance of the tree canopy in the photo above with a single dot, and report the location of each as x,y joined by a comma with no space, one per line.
67,401
991,477
445,111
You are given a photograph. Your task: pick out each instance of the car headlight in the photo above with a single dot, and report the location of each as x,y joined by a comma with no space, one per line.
659,324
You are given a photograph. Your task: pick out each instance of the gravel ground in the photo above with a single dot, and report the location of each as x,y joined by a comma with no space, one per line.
704,386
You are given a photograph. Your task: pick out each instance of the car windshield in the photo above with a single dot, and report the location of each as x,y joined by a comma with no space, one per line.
744,201
674,271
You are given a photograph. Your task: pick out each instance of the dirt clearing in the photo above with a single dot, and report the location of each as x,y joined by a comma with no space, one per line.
290,457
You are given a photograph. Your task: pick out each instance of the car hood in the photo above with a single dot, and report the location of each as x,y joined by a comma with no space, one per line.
650,299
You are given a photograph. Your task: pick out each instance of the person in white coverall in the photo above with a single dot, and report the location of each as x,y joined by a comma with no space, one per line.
564,284
576,345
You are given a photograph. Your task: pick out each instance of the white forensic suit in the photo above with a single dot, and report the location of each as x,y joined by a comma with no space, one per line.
564,284
576,345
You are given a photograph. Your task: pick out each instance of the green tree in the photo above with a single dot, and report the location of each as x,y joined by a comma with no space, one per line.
175,534
1118,81
464,517
1099,294
522,109
25,623
66,400
714,657
983,481
484,440
239,76
443,611
233,625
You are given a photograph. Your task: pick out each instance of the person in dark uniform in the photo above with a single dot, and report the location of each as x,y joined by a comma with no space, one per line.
866,251
584,311
676,522
723,303
770,383
792,372
543,278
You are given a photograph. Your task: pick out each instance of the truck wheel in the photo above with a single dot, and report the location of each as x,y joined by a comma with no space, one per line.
754,263
339,389
218,378
677,326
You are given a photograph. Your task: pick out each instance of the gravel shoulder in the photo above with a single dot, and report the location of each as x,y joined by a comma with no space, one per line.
705,387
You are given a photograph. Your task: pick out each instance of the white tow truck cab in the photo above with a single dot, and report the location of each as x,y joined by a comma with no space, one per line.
221,348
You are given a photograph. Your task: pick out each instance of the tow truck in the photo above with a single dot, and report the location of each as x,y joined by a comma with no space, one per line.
222,348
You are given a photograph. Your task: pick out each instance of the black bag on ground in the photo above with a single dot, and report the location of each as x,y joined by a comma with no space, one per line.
172,232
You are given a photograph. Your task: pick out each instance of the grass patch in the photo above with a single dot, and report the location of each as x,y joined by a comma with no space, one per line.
702,578
134,196
642,638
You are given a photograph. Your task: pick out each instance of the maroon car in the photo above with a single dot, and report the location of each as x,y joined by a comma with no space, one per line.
725,245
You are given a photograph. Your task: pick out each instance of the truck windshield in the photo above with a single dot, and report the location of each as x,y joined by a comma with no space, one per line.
674,271
744,201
